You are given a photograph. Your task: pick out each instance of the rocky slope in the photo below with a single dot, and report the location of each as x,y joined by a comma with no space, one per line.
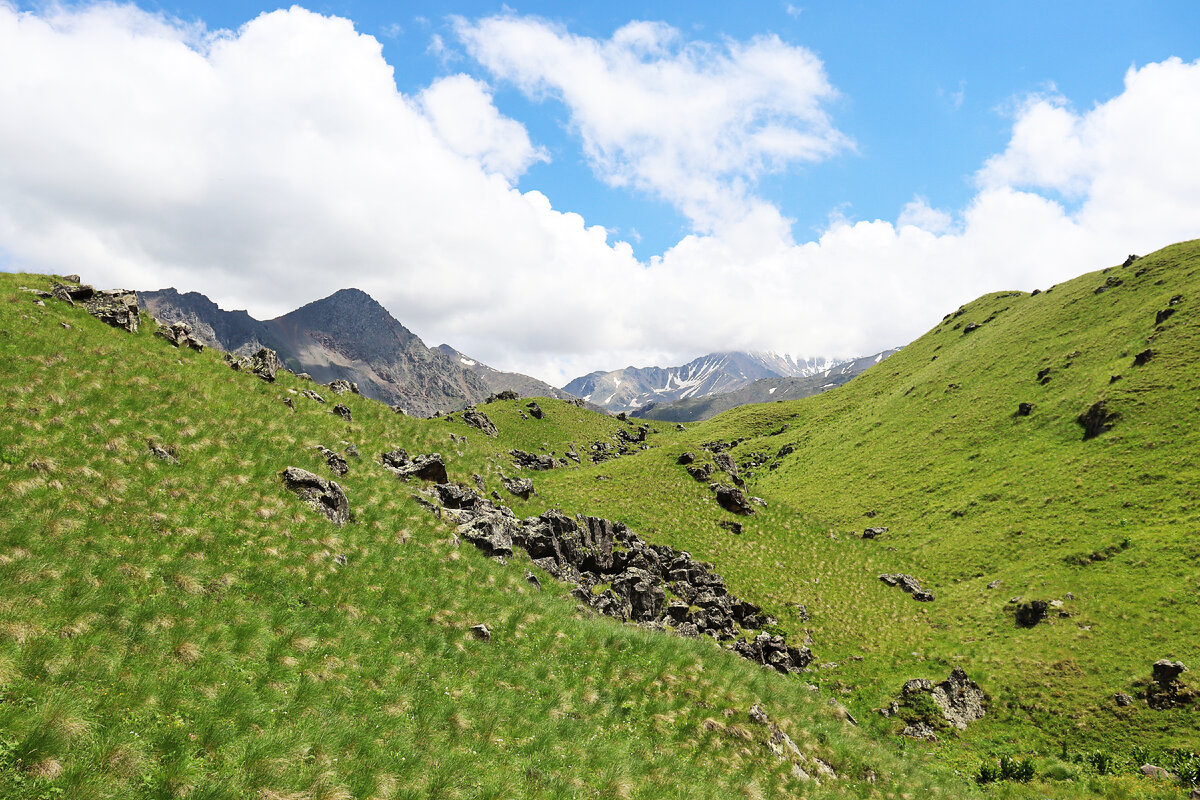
348,336
764,390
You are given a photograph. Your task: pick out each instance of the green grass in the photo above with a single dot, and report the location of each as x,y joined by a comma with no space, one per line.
185,630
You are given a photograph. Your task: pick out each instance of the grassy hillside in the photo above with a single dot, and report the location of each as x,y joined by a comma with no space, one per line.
929,444
192,630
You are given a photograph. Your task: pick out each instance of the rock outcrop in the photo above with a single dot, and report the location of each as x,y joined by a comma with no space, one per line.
1096,420
180,335
909,584
118,308
733,500
532,461
958,701
427,467
477,419
321,495
1165,689
521,487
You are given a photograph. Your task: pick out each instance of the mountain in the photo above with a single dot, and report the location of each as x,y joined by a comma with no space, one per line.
716,373
348,335
498,381
764,390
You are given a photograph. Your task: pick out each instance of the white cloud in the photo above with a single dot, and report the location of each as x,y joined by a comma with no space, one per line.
461,111
692,122
276,164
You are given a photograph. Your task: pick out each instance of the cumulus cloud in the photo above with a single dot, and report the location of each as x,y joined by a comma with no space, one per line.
692,122
461,111
275,164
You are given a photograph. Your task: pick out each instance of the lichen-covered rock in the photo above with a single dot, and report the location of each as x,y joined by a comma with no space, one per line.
532,461
427,467
521,487
180,335
321,495
265,363
341,386
337,465
477,419
118,308
958,700
874,533
343,412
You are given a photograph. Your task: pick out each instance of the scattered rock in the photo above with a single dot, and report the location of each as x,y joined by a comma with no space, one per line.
311,395
686,458
909,584
994,584
532,580
265,363
535,410
1031,613
343,412
287,401
803,766
1132,258
1096,420
1175,300
623,417
733,500
429,467
321,495
477,419
521,487
726,463
1024,409
117,308
337,465
341,386
971,326
168,454
532,461
958,701
481,632
1143,358
701,473
180,335
1155,772
1043,376
1163,315
1122,699
733,527
874,533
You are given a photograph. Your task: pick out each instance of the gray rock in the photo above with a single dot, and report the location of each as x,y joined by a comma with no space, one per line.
1156,772
874,533
1122,699
532,461
481,632
701,473
1024,409
321,495
532,580
725,462
341,386
428,467
909,584
167,454
1165,671
733,500
343,412
337,465
311,395
180,335
960,699
117,308
265,363
477,419
535,410
521,487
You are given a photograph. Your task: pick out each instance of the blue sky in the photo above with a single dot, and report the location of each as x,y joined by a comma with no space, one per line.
817,179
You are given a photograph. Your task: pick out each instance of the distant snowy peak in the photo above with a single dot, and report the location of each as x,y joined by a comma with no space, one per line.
716,373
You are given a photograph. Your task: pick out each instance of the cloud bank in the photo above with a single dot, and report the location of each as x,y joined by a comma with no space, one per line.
273,165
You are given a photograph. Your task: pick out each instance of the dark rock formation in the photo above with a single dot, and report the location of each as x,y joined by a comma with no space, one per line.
180,335
909,584
1096,420
1132,258
686,458
337,465
343,412
773,651
341,386
477,419
507,394
481,632
1024,409
264,363
535,410
118,308
168,454
1143,358
733,500
321,495
532,461
1031,613
428,467
701,473
971,326
521,487
874,533
1163,315
1043,376
733,527
725,462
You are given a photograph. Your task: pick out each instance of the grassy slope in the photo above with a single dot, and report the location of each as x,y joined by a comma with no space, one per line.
185,630
972,493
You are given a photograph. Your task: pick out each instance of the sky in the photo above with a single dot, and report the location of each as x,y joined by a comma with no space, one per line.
557,188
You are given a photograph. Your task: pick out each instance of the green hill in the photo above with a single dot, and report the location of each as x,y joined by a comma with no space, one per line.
191,629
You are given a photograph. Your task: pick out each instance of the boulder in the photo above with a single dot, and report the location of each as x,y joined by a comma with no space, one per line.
1024,409
532,461
117,308
341,386
337,465
874,533
1031,613
733,500
180,335
1096,420
725,462
311,395
167,454
481,632
491,531
686,458
507,394
1143,358
701,473
1156,772
321,495
909,584
535,410
1165,671
71,292
343,412
265,363
1163,315
477,419
1122,699
521,487
427,467
959,700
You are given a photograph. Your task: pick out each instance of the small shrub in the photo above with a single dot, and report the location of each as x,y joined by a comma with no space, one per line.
988,773
1013,770
1101,761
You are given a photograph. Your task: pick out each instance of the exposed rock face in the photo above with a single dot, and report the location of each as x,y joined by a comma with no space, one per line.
118,308
521,487
321,495
733,500
429,467
180,335
618,574
1031,613
1096,420
265,363
958,698
477,419
909,584
532,461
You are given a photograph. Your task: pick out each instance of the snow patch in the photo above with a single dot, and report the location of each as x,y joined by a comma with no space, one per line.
772,390
467,361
